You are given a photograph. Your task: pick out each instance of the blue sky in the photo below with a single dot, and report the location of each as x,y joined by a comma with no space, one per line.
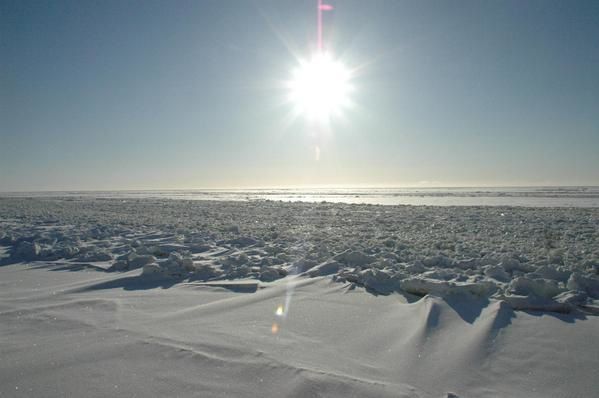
145,95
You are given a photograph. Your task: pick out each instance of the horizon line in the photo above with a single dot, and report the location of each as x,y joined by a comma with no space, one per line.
303,187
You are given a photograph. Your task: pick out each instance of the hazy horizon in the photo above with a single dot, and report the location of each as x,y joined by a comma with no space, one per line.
315,187
152,95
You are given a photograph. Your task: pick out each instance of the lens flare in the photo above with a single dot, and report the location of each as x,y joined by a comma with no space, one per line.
280,311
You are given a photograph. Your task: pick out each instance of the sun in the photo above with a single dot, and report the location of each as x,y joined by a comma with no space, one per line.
319,87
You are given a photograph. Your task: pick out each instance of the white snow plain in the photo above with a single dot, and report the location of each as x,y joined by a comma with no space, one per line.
263,298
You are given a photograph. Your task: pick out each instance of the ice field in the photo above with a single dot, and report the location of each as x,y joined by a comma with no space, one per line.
158,297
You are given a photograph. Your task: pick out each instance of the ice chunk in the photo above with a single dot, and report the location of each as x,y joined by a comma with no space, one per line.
349,275
200,247
242,241
512,264
301,265
270,274
187,264
572,297
152,269
232,228
5,239
205,272
118,265
421,286
377,280
440,274
438,261
496,272
554,272
535,303
95,256
352,257
588,284
238,272
469,263
234,260
137,261
28,250
416,268
523,286
177,266
326,268
167,248
592,266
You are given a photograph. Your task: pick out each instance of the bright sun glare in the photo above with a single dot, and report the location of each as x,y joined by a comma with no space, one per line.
320,87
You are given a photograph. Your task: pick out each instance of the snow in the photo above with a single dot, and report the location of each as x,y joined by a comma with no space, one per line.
482,251
263,298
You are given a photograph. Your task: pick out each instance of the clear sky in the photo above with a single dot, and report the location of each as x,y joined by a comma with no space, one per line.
144,94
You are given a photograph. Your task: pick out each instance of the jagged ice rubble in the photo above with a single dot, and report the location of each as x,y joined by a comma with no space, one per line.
544,259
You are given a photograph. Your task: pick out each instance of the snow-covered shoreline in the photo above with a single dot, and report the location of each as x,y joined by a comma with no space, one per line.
430,299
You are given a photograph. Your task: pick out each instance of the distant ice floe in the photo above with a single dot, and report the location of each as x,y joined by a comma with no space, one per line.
535,196
543,259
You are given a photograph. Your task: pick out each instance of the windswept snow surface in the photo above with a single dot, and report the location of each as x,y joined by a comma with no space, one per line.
154,297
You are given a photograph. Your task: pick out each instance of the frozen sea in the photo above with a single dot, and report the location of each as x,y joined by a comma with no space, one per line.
551,196
148,293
